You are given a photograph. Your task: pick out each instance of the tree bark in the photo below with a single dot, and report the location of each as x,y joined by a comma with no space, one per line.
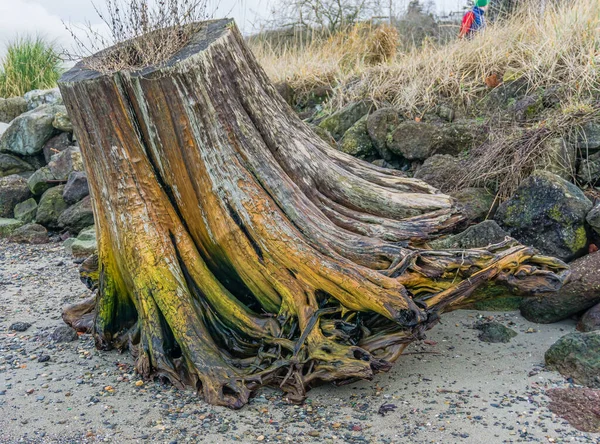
237,249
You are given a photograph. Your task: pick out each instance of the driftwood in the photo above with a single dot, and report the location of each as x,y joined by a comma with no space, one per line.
237,249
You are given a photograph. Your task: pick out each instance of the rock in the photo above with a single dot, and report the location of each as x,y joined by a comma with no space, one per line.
12,107
3,128
494,332
593,218
30,234
26,210
65,162
63,333
13,190
8,226
84,245
324,134
380,125
340,121
477,236
19,326
580,292
28,133
57,144
559,158
441,171
507,93
590,321
446,112
589,139
10,164
475,203
527,107
548,213
589,170
78,216
38,182
39,97
578,406
285,91
51,206
76,187
577,356
62,122
356,141
493,297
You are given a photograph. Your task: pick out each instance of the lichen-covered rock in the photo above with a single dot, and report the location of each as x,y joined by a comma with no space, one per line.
65,162
589,170
380,125
51,206
12,107
356,141
10,164
481,235
324,134
38,182
26,211
577,356
57,144
76,187
340,121
8,226
548,213
28,133
475,203
62,122
559,158
39,97
494,332
590,321
415,140
13,190
593,218
441,171
581,292
78,216
84,245
589,139
30,234
527,107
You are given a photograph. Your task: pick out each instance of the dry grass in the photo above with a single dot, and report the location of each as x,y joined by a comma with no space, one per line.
562,47
142,33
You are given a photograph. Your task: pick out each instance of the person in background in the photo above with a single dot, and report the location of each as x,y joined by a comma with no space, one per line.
473,21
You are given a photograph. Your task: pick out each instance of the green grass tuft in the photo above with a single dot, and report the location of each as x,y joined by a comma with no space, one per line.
30,63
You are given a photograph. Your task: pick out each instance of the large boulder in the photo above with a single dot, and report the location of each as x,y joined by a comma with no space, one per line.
441,171
78,216
588,140
39,97
76,187
589,170
10,164
590,321
30,234
380,125
26,211
475,203
356,141
13,190
481,235
8,226
12,107
51,206
580,292
340,121
28,133
577,356
548,213
593,218
56,144
65,162
40,181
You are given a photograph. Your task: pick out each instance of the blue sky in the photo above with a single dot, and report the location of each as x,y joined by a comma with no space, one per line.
46,17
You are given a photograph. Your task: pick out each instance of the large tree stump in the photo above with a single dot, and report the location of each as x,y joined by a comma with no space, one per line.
238,249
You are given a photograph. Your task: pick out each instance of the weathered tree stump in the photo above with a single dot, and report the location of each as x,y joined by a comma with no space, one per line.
238,249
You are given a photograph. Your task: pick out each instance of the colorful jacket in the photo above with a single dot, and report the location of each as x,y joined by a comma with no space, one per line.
472,22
